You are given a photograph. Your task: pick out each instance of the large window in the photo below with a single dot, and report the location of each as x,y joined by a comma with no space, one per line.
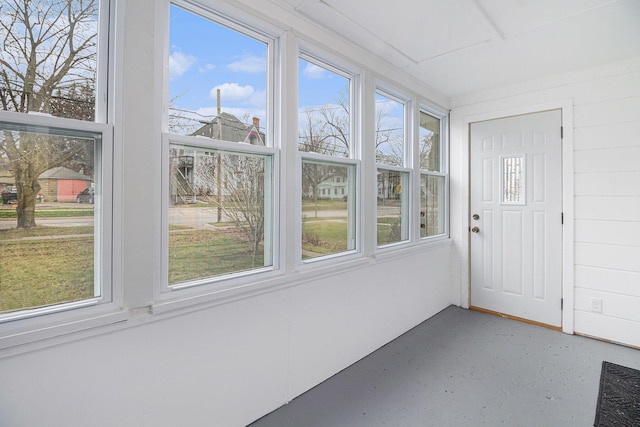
53,170
432,177
328,223
328,167
393,175
219,175
219,205
217,79
392,207
324,105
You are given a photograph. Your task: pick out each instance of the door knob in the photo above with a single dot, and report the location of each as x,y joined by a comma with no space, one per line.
475,230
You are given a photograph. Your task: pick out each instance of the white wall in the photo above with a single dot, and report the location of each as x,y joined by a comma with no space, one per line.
225,361
604,107
225,365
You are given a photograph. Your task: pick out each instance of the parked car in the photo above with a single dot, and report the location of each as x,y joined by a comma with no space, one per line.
10,196
85,196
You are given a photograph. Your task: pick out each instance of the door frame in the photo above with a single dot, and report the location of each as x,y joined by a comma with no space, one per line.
566,108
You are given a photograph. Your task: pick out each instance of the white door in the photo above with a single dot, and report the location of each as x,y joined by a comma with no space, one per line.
515,221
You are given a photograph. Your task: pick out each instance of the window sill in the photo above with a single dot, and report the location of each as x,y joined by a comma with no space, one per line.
25,335
398,251
195,298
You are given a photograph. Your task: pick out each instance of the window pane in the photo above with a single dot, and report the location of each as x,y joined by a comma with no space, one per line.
429,142
218,202
328,208
389,131
49,57
393,206
217,80
323,110
47,236
432,207
513,180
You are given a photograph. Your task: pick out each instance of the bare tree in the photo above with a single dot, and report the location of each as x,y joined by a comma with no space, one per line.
317,136
48,66
430,152
389,146
244,197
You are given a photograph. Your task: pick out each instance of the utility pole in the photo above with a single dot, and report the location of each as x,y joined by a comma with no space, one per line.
219,174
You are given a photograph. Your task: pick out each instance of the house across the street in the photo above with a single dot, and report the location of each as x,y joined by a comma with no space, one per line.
62,184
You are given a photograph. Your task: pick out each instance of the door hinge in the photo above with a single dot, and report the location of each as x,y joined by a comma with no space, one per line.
561,303
561,132
562,218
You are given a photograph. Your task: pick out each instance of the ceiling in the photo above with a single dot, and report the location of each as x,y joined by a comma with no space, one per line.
466,46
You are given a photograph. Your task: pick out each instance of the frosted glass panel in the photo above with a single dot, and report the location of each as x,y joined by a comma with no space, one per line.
513,189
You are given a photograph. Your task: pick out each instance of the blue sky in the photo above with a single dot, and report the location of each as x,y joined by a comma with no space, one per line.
205,56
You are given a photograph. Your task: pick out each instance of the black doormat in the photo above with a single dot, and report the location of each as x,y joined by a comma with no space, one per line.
619,397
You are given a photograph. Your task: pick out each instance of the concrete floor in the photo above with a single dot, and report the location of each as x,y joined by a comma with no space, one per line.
463,368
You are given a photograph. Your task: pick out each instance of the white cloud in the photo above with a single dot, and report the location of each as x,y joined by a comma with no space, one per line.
249,64
207,67
312,71
180,63
233,92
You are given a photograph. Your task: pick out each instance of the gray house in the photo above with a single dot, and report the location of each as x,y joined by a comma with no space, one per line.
228,127
193,172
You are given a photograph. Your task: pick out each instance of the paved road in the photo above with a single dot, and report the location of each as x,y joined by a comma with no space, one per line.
182,215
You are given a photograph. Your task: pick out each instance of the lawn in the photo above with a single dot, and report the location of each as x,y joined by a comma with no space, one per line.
35,273
50,265
49,213
323,205
198,254
388,230
324,237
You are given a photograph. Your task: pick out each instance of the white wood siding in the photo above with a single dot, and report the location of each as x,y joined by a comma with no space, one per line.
607,189
606,142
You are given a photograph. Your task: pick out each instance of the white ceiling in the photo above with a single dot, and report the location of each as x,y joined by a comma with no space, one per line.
465,46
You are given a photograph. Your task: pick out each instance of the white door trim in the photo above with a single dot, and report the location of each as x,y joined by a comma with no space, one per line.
566,106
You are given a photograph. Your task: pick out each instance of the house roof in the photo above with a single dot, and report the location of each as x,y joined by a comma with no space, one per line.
232,129
61,172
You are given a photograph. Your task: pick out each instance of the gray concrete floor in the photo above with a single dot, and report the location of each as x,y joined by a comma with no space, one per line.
463,368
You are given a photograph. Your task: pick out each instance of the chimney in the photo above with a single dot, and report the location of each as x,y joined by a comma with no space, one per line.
256,123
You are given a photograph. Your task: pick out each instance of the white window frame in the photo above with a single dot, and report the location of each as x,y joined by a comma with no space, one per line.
178,295
334,67
444,168
231,279
406,101
25,329
331,63
354,226
406,217
396,95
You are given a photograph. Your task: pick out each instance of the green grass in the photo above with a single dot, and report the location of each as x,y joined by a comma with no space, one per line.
388,230
53,213
323,205
199,254
38,272
324,237
35,273
40,231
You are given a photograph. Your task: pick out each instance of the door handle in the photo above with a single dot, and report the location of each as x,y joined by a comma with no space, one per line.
475,230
